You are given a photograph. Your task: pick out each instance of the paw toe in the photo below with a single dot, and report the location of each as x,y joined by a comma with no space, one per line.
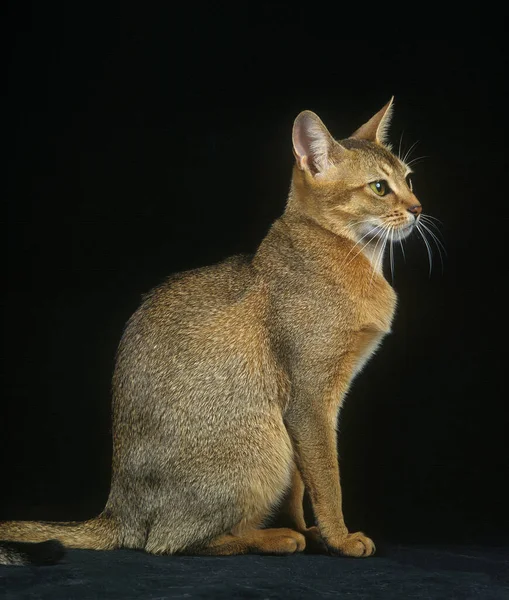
357,545
287,545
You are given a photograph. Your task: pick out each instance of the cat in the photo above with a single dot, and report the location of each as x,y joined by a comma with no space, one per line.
229,378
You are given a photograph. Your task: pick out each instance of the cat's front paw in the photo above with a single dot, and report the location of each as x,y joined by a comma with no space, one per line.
356,544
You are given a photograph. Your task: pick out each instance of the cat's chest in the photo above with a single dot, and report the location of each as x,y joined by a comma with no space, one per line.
361,324
374,309
356,308
332,320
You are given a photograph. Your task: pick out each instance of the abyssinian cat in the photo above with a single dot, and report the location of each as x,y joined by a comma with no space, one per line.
229,378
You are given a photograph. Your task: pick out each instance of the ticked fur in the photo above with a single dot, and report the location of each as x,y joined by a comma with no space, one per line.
229,378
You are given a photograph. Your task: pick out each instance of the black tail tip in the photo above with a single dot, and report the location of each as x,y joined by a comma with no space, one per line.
43,553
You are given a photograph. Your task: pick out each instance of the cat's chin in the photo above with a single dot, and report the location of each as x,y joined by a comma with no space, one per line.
380,232
404,231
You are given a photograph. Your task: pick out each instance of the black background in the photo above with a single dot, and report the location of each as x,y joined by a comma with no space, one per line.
146,142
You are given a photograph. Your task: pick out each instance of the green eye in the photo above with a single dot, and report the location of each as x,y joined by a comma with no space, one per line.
409,182
380,187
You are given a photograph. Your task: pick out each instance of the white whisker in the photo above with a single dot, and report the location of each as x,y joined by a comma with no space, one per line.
438,243
360,222
431,217
416,160
402,249
428,247
378,260
355,245
435,236
428,218
382,252
400,141
409,152
391,252
375,259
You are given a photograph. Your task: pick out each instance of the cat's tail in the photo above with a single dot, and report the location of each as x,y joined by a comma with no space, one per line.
100,533
26,553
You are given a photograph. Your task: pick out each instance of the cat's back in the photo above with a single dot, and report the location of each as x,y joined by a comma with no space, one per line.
212,286
206,290
209,322
193,305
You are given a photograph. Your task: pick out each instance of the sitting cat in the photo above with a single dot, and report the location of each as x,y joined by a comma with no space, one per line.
229,378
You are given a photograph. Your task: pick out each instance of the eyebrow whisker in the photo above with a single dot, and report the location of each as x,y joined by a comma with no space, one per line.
410,150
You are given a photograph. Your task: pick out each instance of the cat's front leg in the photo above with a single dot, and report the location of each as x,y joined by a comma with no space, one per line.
313,432
291,514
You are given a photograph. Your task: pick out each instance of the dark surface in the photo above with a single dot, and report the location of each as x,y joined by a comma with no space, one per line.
402,572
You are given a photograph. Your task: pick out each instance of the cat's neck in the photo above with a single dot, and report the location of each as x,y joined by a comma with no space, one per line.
343,237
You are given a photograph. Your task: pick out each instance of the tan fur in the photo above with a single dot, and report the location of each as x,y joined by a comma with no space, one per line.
229,378
96,534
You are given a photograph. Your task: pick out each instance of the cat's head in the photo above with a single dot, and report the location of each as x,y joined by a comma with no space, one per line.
355,186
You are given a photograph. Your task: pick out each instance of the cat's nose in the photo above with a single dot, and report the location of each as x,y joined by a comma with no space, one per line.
415,210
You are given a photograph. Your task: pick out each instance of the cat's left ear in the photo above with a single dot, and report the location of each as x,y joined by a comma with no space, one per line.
377,128
312,144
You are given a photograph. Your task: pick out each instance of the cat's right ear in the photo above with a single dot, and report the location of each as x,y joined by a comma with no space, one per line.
312,143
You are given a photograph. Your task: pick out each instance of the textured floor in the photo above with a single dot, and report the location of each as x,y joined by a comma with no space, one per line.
432,572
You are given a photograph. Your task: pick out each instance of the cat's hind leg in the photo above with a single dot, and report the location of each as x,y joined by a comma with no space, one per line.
255,541
248,537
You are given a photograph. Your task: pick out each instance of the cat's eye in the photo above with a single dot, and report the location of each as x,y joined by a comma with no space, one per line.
409,182
380,187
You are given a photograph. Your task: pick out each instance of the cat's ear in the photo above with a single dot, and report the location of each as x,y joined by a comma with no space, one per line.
377,128
312,143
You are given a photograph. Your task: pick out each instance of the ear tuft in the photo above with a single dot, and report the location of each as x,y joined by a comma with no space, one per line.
312,143
377,128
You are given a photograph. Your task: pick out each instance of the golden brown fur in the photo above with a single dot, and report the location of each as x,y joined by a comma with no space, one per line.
229,378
